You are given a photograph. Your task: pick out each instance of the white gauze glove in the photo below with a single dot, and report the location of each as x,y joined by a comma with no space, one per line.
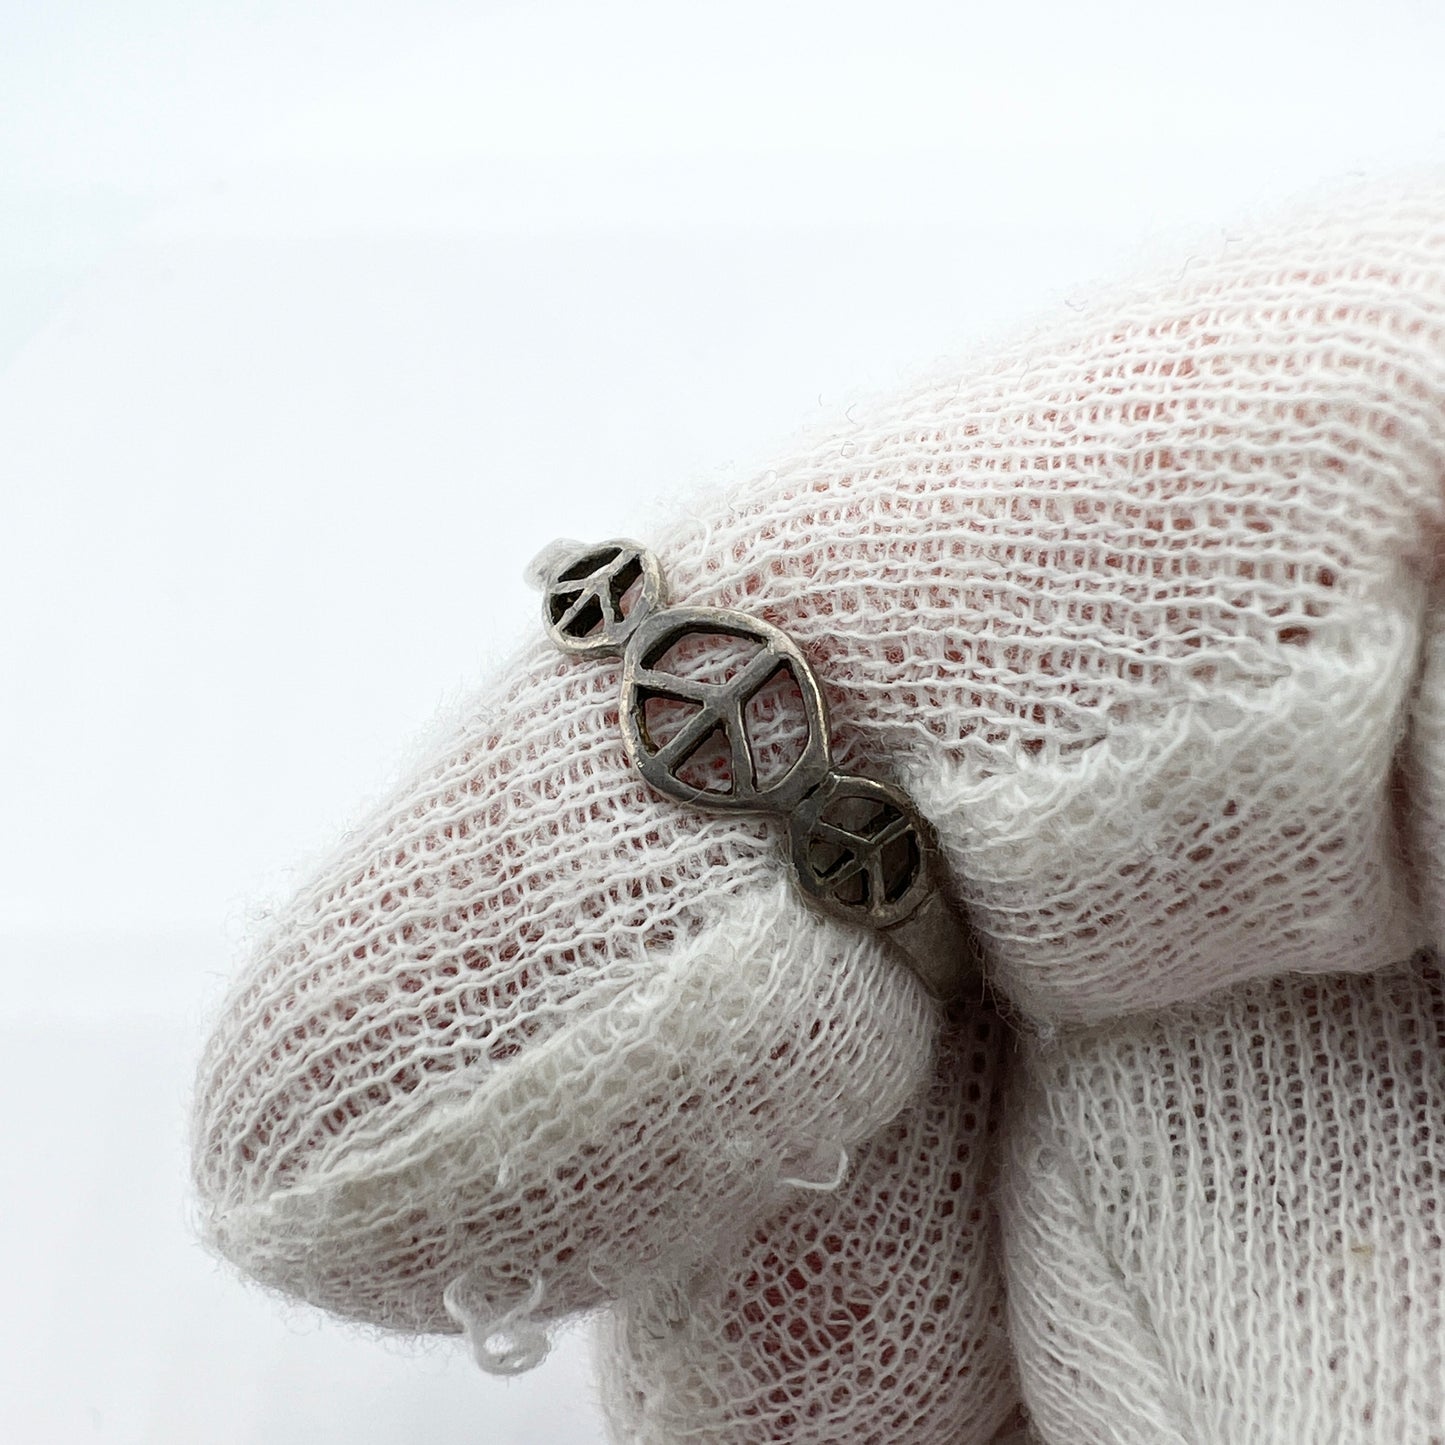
1142,614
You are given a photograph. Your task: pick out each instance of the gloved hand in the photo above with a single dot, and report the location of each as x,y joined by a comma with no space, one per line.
1144,614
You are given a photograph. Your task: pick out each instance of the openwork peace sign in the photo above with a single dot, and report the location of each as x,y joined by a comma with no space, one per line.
587,593
860,850
720,710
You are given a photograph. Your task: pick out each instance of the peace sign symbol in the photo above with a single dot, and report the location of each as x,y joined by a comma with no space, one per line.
861,852
584,593
720,708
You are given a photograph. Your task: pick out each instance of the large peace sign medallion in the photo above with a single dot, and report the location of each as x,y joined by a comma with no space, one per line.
718,710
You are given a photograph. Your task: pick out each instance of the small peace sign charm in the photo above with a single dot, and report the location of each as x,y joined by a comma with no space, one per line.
595,598
860,851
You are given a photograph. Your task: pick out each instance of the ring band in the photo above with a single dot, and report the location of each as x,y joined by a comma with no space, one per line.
860,850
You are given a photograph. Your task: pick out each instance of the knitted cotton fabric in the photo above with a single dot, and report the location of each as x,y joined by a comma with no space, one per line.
1142,613
871,1314
1225,1222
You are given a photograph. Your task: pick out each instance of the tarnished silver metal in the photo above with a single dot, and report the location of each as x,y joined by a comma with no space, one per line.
721,709
860,850
594,599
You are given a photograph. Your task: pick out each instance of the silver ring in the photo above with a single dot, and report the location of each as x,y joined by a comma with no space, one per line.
860,850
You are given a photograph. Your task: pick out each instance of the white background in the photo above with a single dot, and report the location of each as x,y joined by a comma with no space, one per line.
316,322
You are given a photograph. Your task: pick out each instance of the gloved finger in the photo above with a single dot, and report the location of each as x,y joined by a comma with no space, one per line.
1222,1221
871,1312
1152,662
1085,602
422,1134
